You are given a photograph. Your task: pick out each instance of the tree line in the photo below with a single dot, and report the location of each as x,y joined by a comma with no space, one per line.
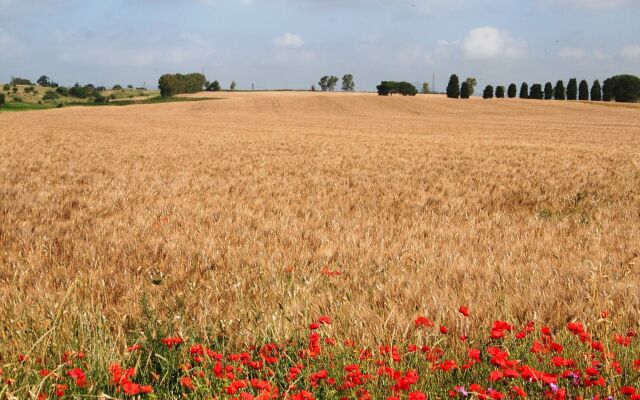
619,88
172,84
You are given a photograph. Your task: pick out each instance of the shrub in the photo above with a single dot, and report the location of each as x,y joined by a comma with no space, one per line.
596,91
116,87
583,90
172,84
14,89
488,92
62,91
536,92
524,90
3,99
29,89
453,88
17,99
100,99
6,87
388,88
559,93
572,89
50,95
113,96
20,81
625,88
548,91
512,92
465,90
500,92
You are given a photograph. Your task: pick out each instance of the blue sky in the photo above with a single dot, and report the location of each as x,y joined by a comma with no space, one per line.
291,43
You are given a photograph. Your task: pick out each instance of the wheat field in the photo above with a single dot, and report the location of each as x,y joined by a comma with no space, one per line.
244,215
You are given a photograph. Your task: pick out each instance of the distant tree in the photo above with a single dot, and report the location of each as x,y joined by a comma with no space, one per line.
472,82
20,81
101,89
425,88
14,89
488,92
348,85
3,99
596,91
453,88
43,81
607,90
536,92
388,88
233,85
172,84
500,92
313,88
524,90
324,83
583,91
214,86
62,91
100,99
626,88
512,91
559,92
6,87
116,87
129,86
465,90
572,89
331,83
548,91
50,95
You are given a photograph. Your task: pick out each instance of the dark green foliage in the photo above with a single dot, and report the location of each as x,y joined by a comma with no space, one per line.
3,99
572,89
213,86
50,95
596,91
465,90
524,90
172,84
583,91
548,91
348,85
453,88
131,86
388,88
500,92
607,90
328,83
625,88
62,91
14,89
116,87
559,93
44,81
232,86
512,92
20,81
82,92
536,92
488,92
6,87
29,89
100,99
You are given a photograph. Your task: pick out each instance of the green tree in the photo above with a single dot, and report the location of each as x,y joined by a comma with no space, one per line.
214,86
512,92
6,87
233,85
3,99
116,87
596,91
524,90
572,89
626,88
536,92
348,85
559,93
313,88
500,92
607,90
172,84
324,83
453,88
332,82
472,82
425,88
488,92
43,81
465,90
583,91
548,91
388,88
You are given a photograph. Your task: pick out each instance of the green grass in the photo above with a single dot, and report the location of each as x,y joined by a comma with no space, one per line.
24,107
45,106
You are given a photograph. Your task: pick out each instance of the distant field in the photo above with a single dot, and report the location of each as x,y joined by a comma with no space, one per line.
228,216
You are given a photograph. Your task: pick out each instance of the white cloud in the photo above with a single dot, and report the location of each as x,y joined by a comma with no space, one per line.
631,52
572,52
488,43
289,40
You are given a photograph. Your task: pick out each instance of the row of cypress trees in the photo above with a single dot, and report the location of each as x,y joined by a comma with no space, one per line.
573,91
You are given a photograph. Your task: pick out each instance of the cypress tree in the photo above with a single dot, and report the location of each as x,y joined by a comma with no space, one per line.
524,91
572,89
548,91
500,92
583,91
596,91
559,93
512,91
607,90
453,88
465,90
488,92
536,92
